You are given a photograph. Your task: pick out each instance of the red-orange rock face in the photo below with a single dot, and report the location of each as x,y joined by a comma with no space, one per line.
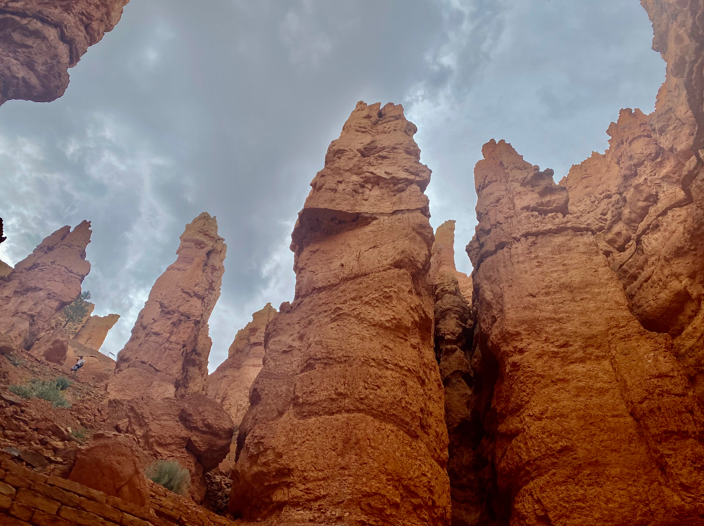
94,331
644,198
229,385
453,345
592,419
161,373
43,284
347,423
168,352
41,39
114,466
193,430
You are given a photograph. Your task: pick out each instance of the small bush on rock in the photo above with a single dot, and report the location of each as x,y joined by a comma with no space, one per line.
80,434
45,389
170,474
62,383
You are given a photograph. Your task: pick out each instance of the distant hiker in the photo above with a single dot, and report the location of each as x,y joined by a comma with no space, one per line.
78,365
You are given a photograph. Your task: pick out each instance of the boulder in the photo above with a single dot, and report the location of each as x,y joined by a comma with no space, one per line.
114,466
42,284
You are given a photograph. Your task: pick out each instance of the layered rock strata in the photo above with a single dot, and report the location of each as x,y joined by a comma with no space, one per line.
167,354
346,419
644,197
41,285
592,420
41,39
453,345
229,385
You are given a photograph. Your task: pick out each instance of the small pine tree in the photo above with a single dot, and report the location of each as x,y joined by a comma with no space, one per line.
76,311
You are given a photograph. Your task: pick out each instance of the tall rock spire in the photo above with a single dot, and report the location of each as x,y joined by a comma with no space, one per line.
44,283
592,420
347,413
453,346
160,377
168,352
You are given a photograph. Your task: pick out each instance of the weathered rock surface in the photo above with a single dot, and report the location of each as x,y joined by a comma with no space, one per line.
43,284
644,197
5,269
95,330
168,352
41,39
229,385
194,430
453,345
160,377
592,420
97,369
52,346
114,466
346,422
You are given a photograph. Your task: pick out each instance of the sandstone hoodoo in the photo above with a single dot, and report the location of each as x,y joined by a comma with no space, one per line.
41,39
644,198
168,352
229,385
159,382
453,339
346,422
44,283
592,420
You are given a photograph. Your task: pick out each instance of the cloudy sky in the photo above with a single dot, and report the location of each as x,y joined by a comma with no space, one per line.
230,110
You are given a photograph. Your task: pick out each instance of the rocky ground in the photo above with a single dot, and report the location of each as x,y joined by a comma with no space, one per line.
48,438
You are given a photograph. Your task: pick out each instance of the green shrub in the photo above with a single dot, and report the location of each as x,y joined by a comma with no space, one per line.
170,474
45,389
62,383
78,310
14,360
24,391
80,434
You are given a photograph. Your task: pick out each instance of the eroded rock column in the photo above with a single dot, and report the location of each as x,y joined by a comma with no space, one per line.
592,420
230,383
644,197
168,351
453,348
157,392
346,422
43,283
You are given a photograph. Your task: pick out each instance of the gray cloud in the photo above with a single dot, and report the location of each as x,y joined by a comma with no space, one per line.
230,110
